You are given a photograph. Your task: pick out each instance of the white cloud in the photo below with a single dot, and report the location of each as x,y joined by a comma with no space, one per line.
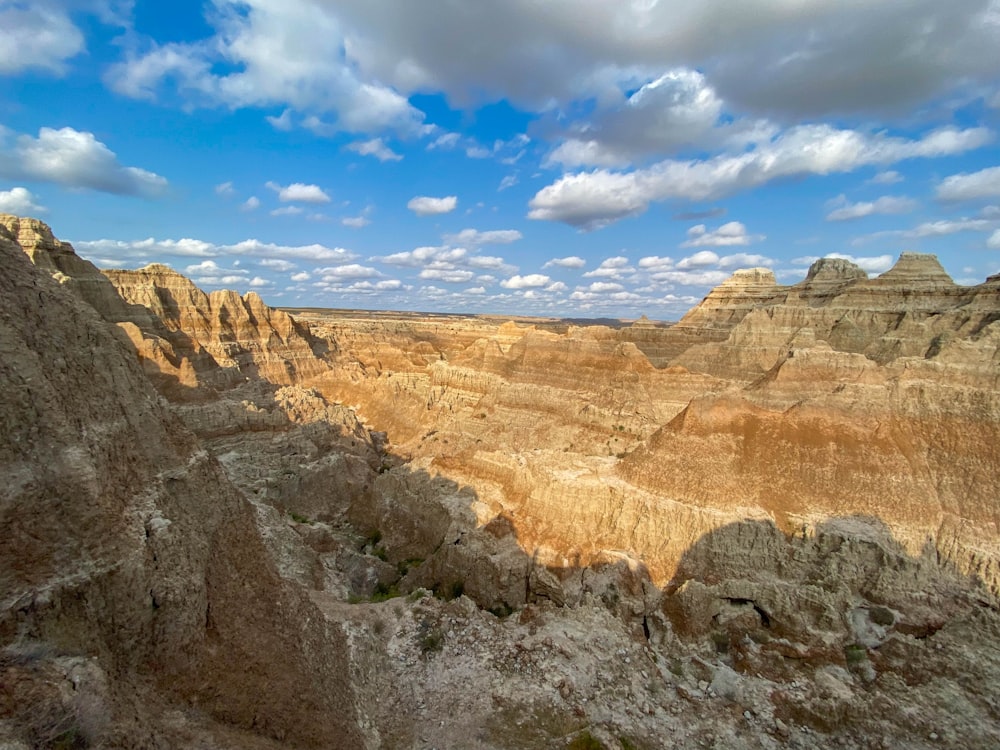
375,147
350,271
940,228
656,263
301,276
258,282
685,277
614,268
277,264
489,262
591,200
531,281
475,238
676,109
572,261
75,159
994,241
251,204
507,182
887,204
208,266
19,201
266,53
427,206
450,276
225,189
445,141
355,222
600,287
745,260
970,186
288,211
150,249
729,234
37,35
887,177
299,192
699,259
423,256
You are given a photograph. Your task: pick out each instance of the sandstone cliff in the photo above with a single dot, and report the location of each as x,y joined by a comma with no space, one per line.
767,526
133,584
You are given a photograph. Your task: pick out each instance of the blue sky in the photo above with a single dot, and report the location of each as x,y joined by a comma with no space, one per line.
569,158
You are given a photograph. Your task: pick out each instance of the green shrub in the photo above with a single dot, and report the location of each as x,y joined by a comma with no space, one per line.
585,741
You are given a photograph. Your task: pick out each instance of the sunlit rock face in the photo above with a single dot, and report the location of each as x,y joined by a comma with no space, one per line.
783,508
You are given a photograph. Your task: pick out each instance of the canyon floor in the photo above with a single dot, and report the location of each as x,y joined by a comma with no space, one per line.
774,523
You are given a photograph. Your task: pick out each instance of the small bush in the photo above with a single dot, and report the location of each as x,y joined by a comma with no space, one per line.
431,641
585,741
855,653
300,519
385,592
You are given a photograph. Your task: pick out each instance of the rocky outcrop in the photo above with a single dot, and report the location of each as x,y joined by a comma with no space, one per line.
133,583
769,526
242,335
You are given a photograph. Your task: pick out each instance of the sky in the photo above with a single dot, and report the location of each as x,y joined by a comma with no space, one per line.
571,158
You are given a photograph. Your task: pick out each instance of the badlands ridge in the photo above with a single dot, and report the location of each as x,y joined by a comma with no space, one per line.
773,524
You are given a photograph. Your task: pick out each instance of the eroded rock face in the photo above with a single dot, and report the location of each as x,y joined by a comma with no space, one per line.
125,552
768,526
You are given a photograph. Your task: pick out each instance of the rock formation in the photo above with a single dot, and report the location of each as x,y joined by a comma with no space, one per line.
773,524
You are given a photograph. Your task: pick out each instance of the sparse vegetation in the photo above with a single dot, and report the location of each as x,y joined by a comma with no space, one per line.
298,518
404,566
384,592
431,640
585,741
855,653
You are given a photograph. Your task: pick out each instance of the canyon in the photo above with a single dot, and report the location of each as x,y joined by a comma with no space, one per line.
774,523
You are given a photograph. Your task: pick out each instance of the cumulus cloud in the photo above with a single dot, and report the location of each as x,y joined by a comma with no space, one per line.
356,222
277,264
676,109
19,201
375,147
75,159
614,268
994,241
572,261
266,53
790,60
426,255
251,204
450,276
300,193
970,186
350,271
591,200
731,233
37,36
531,281
887,204
426,206
225,189
475,238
